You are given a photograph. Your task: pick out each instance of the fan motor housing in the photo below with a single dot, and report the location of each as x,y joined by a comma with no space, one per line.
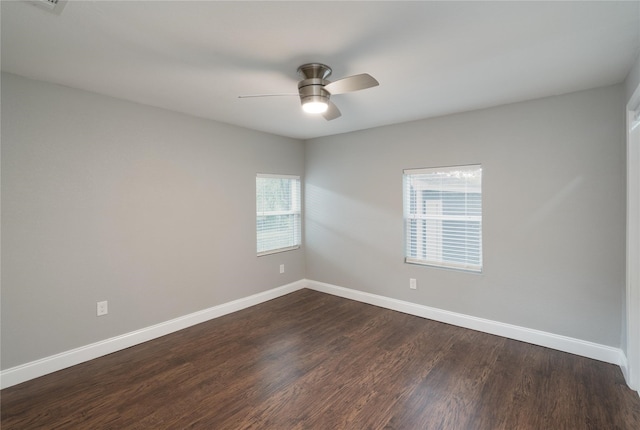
313,88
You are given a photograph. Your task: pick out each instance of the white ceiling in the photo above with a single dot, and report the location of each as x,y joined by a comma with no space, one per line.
431,58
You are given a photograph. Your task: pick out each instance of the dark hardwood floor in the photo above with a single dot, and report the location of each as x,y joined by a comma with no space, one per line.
314,361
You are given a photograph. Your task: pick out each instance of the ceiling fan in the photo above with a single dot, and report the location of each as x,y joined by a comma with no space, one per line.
315,90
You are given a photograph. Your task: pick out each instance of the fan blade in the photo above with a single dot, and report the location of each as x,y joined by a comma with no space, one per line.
267,95
351,83
332,112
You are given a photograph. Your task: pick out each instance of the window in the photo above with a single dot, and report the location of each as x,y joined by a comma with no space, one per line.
277,213
443,217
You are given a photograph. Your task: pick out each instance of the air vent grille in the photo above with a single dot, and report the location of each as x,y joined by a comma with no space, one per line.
54,6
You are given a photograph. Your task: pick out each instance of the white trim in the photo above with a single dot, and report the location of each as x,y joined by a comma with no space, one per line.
34,369
445,265
37,368
632,371
276,176
624,366
580,347
276,213
277,250
443,169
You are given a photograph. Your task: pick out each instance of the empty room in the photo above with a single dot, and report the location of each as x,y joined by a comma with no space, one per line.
320,215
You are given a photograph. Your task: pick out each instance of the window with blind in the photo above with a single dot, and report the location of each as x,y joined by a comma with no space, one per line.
443,217
277,213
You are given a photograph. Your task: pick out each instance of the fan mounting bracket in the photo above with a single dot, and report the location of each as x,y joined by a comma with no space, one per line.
314,71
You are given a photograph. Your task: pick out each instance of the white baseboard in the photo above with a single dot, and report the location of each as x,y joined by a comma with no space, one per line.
34,369
624,366
583,348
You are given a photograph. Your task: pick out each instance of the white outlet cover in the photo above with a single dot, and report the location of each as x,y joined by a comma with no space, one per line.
102,308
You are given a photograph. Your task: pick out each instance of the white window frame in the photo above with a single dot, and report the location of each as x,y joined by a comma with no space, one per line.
295,234
424,245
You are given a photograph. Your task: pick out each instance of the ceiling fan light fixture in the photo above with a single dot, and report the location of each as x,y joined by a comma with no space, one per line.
315,104
315,90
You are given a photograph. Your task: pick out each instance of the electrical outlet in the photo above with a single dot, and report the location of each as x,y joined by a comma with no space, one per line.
413,284
102,308
282,268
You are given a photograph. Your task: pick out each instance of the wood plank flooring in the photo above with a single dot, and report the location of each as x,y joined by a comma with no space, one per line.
314,361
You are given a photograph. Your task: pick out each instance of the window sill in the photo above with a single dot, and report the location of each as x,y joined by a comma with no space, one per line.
277,251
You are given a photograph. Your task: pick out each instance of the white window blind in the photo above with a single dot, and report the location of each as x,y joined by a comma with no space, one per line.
277,213
443,217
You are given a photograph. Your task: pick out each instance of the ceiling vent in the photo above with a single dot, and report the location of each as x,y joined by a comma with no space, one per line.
53,6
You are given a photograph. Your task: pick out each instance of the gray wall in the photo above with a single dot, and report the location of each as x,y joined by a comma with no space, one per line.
153,211
104,199
553,209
